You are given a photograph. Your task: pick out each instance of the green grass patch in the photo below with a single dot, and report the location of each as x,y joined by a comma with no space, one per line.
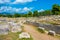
58,36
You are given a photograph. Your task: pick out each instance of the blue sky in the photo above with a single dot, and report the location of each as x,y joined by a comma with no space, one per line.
22,6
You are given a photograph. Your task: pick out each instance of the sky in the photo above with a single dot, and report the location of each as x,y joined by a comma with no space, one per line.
22,6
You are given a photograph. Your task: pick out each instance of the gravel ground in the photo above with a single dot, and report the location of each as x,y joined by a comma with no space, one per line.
36,35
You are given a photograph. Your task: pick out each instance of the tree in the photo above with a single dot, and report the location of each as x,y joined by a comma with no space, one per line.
24,15
29,14
35,13
16,15
1,15
56,9
9,15
45,13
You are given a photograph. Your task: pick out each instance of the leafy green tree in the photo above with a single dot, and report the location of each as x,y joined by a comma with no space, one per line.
23,15
1,15
30,14
44,13
9,15
56,9
35,13
16,15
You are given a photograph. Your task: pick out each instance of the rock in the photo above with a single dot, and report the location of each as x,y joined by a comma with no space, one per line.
51,33
4,29
16,29
41,28
24,35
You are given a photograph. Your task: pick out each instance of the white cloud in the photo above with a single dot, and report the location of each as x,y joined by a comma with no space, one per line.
22,1
26,9
5,9
11,9
5,1
41,10
15,1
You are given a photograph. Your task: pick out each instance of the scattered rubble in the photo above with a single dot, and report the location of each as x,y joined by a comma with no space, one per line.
9,26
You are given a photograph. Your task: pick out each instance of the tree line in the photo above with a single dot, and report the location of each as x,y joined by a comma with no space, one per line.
54,11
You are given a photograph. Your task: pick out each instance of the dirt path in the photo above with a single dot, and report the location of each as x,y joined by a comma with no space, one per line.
36,35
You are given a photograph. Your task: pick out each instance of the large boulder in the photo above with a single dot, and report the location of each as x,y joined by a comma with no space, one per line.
24,35
41,29
51,33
